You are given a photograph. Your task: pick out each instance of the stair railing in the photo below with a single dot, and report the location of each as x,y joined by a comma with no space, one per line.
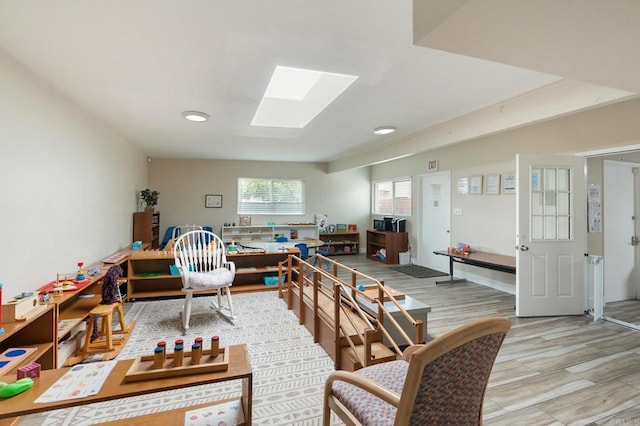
304,277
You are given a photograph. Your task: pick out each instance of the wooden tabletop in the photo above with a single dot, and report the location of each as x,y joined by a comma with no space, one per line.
484,259
115,387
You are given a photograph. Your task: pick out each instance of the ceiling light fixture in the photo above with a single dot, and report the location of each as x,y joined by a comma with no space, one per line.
384,130
195,116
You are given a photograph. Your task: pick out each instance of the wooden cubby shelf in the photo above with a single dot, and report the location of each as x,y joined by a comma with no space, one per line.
340,242
394,243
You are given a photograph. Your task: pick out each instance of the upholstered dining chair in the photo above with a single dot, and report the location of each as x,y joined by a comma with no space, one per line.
200,257
441,382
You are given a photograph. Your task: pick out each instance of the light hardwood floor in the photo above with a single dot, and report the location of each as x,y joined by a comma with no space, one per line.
550,370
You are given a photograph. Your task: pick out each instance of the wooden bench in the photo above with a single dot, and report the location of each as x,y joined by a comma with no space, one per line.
496,262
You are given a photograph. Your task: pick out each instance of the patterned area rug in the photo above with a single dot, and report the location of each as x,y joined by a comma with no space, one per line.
289,370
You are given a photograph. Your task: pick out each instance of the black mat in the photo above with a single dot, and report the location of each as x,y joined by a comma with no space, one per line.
418,271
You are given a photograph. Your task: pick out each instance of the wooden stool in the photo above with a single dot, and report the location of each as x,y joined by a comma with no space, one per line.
105,341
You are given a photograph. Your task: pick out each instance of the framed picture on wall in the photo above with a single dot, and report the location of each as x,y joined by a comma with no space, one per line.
213,201
475,185
492,184
509,183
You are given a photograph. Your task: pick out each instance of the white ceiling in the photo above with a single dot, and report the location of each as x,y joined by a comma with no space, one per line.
137,64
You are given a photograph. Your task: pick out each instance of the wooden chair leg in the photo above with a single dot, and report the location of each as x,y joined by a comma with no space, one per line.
123,327
186,311
87,337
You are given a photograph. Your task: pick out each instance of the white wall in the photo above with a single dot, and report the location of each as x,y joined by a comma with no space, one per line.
344,197
488,221
69,184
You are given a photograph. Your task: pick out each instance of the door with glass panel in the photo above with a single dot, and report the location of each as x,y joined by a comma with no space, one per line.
551,235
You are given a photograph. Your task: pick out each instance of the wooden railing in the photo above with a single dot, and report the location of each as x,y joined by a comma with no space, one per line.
331,290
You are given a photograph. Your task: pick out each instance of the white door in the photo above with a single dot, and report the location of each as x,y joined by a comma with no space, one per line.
551,235
434,220
620,278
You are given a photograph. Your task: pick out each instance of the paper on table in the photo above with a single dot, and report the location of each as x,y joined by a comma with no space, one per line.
80,381
228,413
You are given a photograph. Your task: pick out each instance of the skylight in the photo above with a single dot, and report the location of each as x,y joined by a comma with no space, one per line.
296,96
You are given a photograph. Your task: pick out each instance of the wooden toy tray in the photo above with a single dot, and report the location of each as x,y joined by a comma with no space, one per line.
142,367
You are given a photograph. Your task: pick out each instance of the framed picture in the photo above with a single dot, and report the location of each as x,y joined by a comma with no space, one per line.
475,185
509,183
352,227
331,228
245,220
341,227
213,201
492,184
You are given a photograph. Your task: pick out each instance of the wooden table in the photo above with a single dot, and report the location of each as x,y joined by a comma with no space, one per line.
115,387
496,262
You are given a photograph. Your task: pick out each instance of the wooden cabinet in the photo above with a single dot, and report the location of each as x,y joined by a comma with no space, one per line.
146,228
150,275
252,267
269,233
340,242
393,243
38,331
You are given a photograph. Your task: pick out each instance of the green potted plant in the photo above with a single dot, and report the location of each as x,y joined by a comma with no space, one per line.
150,198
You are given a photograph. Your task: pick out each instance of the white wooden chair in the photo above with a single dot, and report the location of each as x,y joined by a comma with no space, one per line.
201,259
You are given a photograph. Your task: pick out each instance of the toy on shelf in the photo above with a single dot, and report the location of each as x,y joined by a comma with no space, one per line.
12,357
80,275
31,370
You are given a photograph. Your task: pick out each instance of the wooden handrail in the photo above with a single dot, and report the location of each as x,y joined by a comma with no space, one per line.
301,274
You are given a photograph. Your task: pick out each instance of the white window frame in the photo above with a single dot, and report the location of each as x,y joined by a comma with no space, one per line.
375,205
271,207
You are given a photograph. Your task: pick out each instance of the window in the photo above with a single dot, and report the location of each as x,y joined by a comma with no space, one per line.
551,204
392,198
270,196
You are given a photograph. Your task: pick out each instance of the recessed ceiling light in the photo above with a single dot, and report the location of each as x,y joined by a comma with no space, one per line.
296,96
196,116
384,130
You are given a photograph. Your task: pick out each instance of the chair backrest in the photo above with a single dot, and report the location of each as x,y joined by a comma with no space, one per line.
199,251
327,248
447,377
183,229
304,250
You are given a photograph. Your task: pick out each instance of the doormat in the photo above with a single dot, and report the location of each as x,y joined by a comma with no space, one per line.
419,271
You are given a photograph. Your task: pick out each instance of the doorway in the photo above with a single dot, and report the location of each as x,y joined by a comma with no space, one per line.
620,242
434,224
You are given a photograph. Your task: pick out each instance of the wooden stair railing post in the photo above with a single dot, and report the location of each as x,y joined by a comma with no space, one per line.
336,324
287,287
301,301
354,283
316,305
368,339
419,332
381,303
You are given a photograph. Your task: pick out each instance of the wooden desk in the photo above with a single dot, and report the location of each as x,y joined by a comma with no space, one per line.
115,387
496,262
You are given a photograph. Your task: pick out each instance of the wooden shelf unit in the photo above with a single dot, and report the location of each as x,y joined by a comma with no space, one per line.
269,233
393,242
146,228
251,267
38,331
341,242
150,276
